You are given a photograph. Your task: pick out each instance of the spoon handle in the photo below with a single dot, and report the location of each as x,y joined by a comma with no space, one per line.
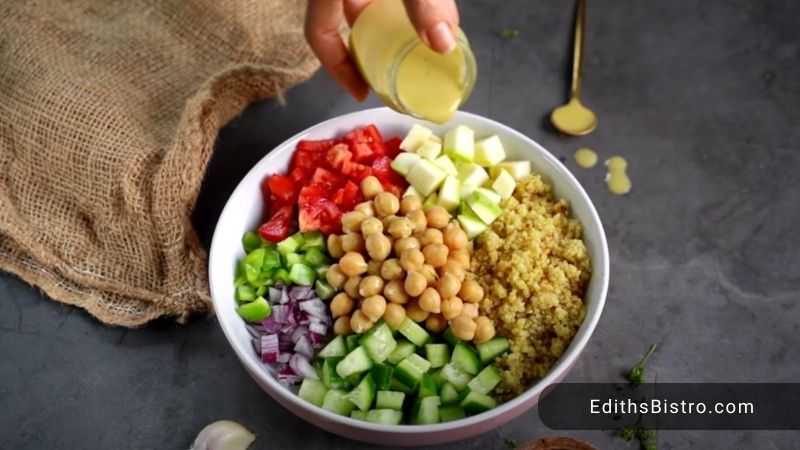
577,51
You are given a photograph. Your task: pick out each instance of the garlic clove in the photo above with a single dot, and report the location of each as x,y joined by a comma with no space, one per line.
223,435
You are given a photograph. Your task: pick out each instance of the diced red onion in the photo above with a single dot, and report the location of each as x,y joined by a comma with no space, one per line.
314,307
284,297
275,295
283,358
298,333
270,325
288,376
318,328
254,331
304,347
302,367
269,348
301,292
256,344
317,340
279,312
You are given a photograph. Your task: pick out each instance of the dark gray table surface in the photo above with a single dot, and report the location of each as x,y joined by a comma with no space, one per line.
702,97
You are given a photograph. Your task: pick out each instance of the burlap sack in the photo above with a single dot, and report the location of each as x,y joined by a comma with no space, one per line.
108,115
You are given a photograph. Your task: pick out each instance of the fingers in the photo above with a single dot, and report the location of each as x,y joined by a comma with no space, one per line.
322,32
435,21
352,8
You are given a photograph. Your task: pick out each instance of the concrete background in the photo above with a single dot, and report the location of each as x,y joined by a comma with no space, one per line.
701,97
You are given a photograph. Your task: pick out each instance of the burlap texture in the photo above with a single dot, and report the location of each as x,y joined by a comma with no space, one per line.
108,114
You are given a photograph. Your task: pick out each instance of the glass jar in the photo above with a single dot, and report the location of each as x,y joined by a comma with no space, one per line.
408,76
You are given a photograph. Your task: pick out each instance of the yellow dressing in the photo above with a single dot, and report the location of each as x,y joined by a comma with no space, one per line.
586,158
617,179
429,84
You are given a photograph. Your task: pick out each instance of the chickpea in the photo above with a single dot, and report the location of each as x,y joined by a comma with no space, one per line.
410,203
335,246
351,286
366,208
470,310
401,227
353,242
374,307
386,221
435,323
452,307
341,326
448,285
429,273
352,221
414,312
374,267
415,283
430,300
454,237
371,225
394,315
391,269
386,204
369,286
335,276
395,292
435,254
461,256
412,259
341,305
405,243
437,216
359,322
378,247
353,264
370,187
471,291
484,329
454,268
431,236
463,327
418,219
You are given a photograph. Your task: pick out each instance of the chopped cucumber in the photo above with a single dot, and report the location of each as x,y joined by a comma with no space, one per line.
290,244
390,400
437,377
322,271
329,377
358,414
355,362
312,391
315,257
455,376
413,332
292,259
489,151
486,380
385,416
352,342
336,347
255,311
459,143
324,290
437,354
396,385
403,349
450,338
493,348
411,369
465,359
302,274
363,395
427,411
354,379
379,342
450,413
448,394
313,239
427,386
336,402
475,402
382,374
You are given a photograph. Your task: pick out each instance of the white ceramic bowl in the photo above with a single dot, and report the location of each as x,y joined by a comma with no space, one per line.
242,213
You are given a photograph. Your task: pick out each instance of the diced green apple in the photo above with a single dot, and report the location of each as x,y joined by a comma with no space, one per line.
471,224
415,137
483,207
412,191
432,199
450,193
467,190
459,143
430,149
517,169
403,162
471,174
489,151
504,184
493,196
435,138
425,177
445,163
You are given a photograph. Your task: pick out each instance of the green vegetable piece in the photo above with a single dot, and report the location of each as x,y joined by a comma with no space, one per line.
293,258
493,348
437,354
272,260
448,394
508,33
322,271
382,374
315,257
261,290
324,290
354,379
403,349
329,377
511,443
455,376
450,338
255,311
356,361
475,402
302,274
364,394
413,332
450,413
252,264
358,414
312,391
245,293
396,385
411,369
282,275
313,239
379,342
240,279
465,359
636,375
336,402
486,380
390,400
250,241
426,411
291,244
352,342
336,347
385,416
427,387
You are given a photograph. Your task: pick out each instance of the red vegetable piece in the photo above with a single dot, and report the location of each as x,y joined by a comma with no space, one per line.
362,152
332,215
307,145
375,139
382,168
392,147
283,189
308,160
393,188
279,226
338,156
328,179
300,176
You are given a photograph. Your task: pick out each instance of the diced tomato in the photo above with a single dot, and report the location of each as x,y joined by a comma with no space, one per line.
307,145
392,188
375,138
283,189
310,219
356,171
279,225
338,156
392,147
382,168
347,196
330,180
362,152
308,160
332,215
300,176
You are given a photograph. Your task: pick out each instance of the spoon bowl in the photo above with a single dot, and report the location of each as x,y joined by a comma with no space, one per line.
574,118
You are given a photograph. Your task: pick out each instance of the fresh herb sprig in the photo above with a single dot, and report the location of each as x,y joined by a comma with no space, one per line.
636,375
508,33
647,438
510,443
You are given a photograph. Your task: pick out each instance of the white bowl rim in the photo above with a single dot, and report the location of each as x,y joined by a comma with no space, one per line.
558,370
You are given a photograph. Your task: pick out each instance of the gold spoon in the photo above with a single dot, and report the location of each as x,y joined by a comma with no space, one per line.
574,118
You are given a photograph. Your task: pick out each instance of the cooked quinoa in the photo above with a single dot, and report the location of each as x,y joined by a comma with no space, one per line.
534,268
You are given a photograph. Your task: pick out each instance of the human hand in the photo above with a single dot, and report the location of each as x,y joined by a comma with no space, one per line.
434,20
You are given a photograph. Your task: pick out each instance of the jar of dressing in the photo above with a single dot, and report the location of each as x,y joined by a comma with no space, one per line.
404,72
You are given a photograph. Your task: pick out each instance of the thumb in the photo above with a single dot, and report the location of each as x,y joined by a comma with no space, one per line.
435,22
